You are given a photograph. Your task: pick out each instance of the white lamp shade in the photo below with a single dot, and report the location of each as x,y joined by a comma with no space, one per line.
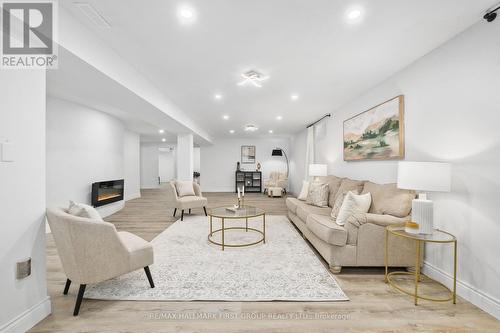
317,170
424,176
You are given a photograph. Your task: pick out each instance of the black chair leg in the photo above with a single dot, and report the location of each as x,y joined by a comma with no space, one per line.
66,287
175,211
150,278
205,209
182,215
189,211
79,299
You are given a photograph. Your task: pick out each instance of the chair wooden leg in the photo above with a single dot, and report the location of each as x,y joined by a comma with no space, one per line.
150,278
79,299
182,215
205,209
66,287
189,211
175,211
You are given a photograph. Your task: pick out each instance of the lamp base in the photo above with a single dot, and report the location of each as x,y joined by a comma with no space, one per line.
423,214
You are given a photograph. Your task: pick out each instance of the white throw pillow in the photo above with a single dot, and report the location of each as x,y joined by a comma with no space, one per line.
353,204
83,210
303,192
184,188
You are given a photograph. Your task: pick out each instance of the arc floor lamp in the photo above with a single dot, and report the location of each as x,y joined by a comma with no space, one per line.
281,152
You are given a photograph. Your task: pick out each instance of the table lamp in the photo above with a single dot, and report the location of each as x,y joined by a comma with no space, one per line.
424,177
317,170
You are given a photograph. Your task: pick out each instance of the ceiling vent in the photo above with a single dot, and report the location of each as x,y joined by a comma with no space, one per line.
92,14
253,77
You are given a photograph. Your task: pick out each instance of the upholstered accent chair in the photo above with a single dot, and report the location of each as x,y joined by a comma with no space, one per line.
175,202
92,251
276,179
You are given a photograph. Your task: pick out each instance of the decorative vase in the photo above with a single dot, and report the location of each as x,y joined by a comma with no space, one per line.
237,166
258,166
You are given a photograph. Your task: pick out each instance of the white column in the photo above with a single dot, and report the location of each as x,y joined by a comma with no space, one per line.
185,156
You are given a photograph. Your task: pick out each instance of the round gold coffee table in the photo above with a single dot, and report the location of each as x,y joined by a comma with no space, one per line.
244,212
438,237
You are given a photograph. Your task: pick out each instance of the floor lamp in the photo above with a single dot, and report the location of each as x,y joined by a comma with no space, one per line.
281,152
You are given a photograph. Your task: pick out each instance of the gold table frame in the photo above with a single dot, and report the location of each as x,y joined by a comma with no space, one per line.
246,228
398,230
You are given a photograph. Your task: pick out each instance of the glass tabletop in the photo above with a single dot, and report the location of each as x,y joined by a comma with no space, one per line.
437,236
234,213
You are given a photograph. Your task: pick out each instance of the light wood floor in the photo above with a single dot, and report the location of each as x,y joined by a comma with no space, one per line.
373,305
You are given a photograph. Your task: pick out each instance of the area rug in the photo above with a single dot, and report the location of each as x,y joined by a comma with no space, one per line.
187,267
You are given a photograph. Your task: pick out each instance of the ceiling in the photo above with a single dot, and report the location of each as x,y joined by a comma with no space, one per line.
306,48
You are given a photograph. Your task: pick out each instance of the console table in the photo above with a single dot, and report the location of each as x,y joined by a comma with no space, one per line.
252,180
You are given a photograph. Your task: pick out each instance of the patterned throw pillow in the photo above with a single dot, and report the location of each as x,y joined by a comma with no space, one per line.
318,194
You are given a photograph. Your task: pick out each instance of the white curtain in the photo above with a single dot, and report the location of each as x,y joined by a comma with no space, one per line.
309,150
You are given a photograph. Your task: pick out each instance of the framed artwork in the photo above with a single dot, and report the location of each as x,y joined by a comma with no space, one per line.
247,154
376,134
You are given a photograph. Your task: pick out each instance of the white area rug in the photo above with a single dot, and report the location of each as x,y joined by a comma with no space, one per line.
187,267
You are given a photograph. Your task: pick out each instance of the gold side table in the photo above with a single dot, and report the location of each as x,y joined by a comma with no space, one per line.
244,212
438,237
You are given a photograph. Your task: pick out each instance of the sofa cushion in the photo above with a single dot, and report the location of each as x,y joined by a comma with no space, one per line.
346,185
388,199
191,201
304,210
292,204
326,229
318,194
333,186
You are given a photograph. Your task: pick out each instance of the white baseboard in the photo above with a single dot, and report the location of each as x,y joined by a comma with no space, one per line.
28,318
483,301
133,196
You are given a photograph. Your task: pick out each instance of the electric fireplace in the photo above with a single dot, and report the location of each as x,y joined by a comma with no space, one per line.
104,193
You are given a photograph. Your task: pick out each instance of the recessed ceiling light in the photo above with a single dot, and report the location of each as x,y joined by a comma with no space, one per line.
279,117
294,97
186,14
225,117
231,131
251,128
270,131
163,140
161,131
354,14
218,96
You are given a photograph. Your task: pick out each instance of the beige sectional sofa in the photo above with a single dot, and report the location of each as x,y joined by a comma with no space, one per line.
361,241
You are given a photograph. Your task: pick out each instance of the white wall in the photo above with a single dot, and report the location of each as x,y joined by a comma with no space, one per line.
86,146
149,165
452,114
184,156
167,166
22,198
132,165
196,159
218,161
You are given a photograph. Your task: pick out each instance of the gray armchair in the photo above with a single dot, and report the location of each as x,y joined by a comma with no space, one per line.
92,251
186,202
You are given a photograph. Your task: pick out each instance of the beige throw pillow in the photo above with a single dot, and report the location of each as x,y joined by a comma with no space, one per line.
304,191
184,188
83,210
318,194
353,204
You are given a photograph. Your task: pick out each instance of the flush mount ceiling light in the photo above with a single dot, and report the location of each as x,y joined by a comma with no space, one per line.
253,77
231,131
279,117
251,128
294,97
225,117
270,131
163,140
161,131
186,14
218,96
354,14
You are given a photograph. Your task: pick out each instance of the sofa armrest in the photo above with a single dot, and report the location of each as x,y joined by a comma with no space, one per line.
377,219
